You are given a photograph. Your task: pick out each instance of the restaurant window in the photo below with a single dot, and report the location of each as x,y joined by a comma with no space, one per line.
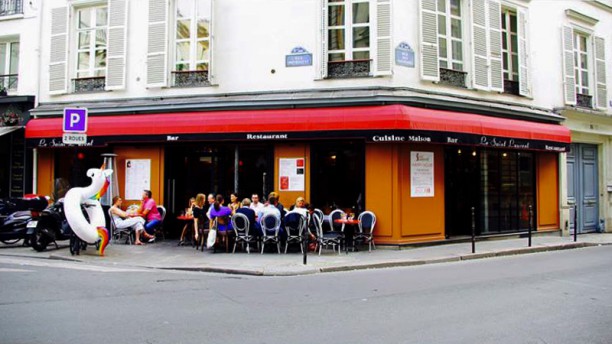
9,65
91,50
192,43
337,176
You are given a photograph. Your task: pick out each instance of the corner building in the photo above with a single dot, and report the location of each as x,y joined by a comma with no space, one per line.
416,110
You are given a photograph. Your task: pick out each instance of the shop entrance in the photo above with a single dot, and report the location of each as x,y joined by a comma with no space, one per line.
337,175
210,168
71,165
500,185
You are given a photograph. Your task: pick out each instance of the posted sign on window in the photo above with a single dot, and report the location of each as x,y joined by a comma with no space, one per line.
421,174
291,174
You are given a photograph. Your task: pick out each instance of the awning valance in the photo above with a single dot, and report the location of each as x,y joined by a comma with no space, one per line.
386,123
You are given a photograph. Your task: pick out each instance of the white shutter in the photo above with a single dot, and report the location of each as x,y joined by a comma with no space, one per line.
212,78
383,38
599,47
157,47
569,80
323,59
58,62
430,65
495,47
480,55
117,44
523,54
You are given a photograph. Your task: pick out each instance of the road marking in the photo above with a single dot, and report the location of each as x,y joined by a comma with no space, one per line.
14,270
65,265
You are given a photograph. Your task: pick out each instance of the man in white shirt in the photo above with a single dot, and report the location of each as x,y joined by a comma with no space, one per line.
256,204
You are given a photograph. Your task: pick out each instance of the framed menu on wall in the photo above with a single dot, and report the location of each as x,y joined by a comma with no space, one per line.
137,177
421,174
291,174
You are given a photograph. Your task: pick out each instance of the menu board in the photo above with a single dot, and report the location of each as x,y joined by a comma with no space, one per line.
291,174
137,177
17,166
421,174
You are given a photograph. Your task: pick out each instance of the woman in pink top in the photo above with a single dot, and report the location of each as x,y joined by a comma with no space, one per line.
148,210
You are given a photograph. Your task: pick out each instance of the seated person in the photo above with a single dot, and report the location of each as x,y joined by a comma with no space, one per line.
222,214
148,210
300,207
234,203
123,220
254,227
270,208
188,213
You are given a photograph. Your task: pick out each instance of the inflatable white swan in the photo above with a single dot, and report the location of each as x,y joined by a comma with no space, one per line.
93,230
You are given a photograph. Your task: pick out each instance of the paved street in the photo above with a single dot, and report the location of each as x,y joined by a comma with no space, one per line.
551,297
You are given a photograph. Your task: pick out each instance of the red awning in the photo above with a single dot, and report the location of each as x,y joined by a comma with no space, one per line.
396,118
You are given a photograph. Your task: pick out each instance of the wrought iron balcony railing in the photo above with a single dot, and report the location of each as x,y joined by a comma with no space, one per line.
11,7
511,87
94,84
584,100
452,77
190,78
8,82
348,69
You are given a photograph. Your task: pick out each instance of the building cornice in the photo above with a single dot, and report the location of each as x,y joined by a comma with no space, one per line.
602,5
583,18
305,99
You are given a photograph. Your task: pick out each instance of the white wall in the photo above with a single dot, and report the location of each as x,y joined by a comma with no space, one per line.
252,38
25,28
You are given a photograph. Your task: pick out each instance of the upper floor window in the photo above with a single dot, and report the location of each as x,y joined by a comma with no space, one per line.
348,38
91,34
11,7
353,46
192,43
496,39
97,37
450,36
510,56
584,69
9,65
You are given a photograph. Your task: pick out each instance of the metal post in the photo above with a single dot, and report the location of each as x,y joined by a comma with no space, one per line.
473,231
236,168
530,219
575,223
305,238
264,197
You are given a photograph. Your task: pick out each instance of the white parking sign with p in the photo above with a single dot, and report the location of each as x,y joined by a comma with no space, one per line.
75,120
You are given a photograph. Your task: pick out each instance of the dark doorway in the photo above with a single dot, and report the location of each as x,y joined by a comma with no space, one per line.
337,175
209,168
71,165
462,189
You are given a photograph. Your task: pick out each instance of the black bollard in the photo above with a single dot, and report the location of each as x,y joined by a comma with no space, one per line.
575,223
473,231
305,239
530,221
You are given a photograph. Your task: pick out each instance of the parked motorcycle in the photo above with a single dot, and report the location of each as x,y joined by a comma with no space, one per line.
16,213
49,227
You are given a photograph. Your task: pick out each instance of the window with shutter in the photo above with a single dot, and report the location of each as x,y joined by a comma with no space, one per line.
348,48
91,48
117,44
583,68
192,19
157,45
58,60
450,42
9,65
510,54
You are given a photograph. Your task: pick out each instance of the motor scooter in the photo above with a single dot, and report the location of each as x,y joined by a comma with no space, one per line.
49,227
16,213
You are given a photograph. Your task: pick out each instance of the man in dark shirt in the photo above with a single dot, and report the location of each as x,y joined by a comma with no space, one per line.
254,227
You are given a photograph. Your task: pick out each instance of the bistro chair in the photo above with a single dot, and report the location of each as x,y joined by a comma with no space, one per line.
270,226
330,238
319,213
336,215
241,225
223,236
117,233
367,220
159,230
294,226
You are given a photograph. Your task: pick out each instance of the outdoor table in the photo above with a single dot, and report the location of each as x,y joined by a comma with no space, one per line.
349,232
187,218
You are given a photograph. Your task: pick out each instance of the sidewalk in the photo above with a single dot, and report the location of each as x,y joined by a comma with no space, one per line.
167,255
